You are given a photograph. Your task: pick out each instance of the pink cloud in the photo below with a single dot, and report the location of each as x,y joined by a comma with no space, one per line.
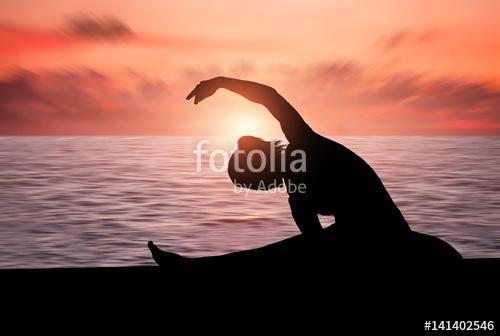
340,96
84,30
83,102
78,32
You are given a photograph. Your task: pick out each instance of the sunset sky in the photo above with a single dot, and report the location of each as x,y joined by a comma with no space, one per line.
385,67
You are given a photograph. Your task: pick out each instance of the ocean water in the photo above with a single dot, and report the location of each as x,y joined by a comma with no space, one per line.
96,201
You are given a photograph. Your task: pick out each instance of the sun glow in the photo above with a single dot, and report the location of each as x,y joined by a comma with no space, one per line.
247,123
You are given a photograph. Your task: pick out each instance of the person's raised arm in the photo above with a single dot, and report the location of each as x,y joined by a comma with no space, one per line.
292,124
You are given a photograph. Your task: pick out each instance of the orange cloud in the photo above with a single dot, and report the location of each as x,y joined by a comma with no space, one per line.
336,98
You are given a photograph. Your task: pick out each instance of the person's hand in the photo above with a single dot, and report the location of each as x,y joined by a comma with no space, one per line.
204,90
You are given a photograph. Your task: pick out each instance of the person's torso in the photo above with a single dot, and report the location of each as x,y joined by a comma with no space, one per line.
338,182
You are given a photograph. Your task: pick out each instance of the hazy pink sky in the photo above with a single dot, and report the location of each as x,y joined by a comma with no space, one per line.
124,67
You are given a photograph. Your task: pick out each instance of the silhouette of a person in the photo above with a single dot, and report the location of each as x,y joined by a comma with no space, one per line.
335,181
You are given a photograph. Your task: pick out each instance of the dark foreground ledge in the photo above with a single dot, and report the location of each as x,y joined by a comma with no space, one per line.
468,272
467,289
478,266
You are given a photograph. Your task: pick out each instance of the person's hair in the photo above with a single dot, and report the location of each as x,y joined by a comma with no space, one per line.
269,176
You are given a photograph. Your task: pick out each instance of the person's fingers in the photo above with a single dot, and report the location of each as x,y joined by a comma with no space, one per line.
197,99
190,95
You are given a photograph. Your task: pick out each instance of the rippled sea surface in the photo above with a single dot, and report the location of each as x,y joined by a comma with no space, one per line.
96,201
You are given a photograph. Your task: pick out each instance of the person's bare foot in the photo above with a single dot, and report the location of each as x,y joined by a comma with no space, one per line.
163,258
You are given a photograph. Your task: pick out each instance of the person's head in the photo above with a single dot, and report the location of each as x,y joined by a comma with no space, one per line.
256,164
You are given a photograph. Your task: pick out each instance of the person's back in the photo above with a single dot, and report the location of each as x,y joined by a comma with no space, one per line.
340,183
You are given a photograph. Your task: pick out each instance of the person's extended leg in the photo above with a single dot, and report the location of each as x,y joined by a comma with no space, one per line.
291,249
272,251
